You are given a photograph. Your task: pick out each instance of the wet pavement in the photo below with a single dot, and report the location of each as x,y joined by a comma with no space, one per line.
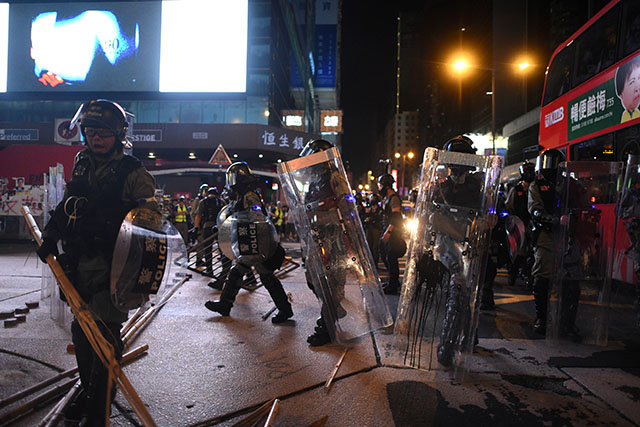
203,369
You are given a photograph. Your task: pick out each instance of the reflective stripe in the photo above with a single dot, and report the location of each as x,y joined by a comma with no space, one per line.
181,216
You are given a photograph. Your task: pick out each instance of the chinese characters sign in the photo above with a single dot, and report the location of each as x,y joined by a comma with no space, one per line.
13,200
594,110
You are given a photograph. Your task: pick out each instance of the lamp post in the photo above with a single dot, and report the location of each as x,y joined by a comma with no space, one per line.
461,65
404,158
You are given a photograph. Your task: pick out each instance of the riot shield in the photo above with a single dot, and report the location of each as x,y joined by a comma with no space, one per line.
455,209
143,266
247,236
585,230
338,260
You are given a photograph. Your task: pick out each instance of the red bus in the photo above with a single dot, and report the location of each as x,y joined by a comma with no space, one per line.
591,96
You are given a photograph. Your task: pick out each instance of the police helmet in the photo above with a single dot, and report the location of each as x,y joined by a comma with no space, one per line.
460,144
527,171
239,173
386,180
315,146
102,113
182,199
212,191
547,163
203,188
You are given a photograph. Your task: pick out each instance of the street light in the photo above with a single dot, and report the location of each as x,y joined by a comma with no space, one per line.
410,155
460,66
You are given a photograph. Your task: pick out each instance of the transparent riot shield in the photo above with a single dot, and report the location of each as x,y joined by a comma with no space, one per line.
585,230
629,212
338,259
247,236
437,312
144,263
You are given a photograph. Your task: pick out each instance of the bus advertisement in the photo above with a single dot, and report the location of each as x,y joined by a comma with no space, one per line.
590,105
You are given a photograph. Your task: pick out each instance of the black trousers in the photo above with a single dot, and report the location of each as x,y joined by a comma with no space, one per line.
94,376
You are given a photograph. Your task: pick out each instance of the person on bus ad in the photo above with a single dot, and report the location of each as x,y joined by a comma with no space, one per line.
628,88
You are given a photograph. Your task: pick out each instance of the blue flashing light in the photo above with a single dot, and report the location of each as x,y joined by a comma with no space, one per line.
503,214
350,198
256,207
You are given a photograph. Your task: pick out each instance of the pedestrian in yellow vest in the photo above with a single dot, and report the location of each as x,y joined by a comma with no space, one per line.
277,217
180,219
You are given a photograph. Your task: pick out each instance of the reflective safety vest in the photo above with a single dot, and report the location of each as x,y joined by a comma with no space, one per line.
181,213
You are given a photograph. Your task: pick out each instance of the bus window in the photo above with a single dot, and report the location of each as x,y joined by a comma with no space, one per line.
631,34
596,47
600,148
559,74
627,142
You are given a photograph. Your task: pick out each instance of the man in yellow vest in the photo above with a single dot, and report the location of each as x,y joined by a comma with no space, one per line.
277,217
180,219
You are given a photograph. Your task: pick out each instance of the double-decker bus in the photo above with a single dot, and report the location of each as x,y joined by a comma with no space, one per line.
590,102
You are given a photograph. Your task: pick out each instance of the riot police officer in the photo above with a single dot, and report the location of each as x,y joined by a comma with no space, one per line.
240,185
373,225
206,218
516,204
392,244
541,201
105,185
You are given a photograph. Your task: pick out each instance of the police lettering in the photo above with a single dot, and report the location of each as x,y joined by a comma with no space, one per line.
162,262
253,238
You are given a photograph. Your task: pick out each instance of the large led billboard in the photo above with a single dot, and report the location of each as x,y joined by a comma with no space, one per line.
148,46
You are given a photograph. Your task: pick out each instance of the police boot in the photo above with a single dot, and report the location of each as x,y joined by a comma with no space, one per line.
541,295
228,295
569,310
279,297
320,334
451,325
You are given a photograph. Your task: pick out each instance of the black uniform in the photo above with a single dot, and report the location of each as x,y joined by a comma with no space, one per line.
395,247
244,200
517,204
209,208
100,194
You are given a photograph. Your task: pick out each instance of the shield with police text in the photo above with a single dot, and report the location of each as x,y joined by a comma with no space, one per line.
456,212
145,259
247,236
338,261
584,233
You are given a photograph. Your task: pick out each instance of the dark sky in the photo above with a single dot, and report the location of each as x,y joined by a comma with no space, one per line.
368,61
368,75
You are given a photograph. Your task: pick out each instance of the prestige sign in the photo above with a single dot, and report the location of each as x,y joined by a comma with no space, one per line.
146,135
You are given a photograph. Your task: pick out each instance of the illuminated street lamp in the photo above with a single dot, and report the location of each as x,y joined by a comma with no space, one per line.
410,155
460,66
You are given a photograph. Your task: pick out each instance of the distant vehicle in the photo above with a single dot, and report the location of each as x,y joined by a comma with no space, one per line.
591,96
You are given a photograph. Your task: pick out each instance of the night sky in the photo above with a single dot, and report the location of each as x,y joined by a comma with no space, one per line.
368,62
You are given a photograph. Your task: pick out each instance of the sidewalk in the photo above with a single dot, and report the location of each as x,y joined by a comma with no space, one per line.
203,369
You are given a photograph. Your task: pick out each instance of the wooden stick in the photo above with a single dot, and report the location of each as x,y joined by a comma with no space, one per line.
52,417
335,370
54,414
101,346
36,387
29,405
144,318
272,413
255,416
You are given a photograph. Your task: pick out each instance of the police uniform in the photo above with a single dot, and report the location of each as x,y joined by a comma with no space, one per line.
208,210
246,199
517,204
395,246
180,220
96,200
